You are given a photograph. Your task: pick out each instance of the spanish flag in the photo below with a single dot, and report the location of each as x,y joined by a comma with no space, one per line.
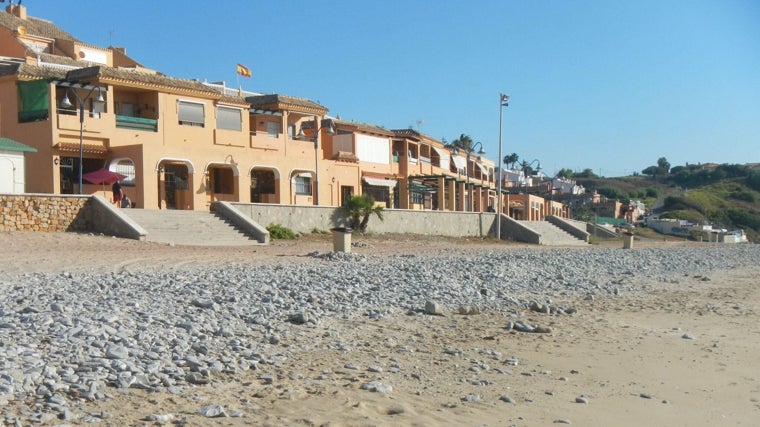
243,70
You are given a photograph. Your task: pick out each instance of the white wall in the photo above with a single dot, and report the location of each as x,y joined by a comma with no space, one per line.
12,179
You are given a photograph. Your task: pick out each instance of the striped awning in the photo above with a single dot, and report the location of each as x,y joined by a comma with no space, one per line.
483,169
380,182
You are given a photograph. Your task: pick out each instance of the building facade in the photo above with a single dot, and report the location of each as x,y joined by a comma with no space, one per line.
183,144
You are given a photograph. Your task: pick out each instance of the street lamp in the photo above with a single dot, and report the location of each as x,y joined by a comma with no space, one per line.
328,124
503,102
66,103
467,167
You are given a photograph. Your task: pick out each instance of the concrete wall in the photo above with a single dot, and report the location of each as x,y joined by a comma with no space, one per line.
305,219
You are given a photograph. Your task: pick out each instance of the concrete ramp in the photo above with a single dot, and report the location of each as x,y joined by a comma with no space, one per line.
190,228
551,235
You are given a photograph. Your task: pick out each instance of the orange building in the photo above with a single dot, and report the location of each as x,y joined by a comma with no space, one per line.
182,144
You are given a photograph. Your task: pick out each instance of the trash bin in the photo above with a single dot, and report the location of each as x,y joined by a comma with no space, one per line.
627,240
342,239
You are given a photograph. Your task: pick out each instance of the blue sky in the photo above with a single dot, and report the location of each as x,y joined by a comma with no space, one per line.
607,85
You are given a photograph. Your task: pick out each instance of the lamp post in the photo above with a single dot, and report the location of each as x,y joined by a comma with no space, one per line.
327,123
503,102
469,151
66,103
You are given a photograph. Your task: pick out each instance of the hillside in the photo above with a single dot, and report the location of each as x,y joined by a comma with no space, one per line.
726,196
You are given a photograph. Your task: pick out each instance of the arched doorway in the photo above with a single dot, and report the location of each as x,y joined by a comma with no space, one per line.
175,180
222,182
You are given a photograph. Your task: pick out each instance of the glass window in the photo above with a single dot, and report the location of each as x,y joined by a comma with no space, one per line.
274,129
125,167
303,185
418,198
191,113
229,118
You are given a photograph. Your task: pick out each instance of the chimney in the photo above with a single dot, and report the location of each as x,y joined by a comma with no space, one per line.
17,10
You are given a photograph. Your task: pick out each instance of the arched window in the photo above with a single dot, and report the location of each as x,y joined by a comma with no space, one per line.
126,167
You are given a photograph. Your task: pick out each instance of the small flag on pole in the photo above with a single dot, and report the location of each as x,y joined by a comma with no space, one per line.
243,70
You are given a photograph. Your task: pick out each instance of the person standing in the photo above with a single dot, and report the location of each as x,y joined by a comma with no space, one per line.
117,193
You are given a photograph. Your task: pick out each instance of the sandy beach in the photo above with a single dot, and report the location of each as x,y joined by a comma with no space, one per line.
683,354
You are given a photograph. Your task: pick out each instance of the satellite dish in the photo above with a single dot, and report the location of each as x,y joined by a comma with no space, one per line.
21,30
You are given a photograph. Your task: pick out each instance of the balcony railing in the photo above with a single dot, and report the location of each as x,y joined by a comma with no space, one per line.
136,123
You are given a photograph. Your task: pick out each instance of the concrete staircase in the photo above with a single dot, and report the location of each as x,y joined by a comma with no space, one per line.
551,235
191,228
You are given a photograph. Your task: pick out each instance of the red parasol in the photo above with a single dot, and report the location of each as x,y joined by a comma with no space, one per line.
103,176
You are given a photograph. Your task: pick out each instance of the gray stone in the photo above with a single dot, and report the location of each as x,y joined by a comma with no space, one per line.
378,387
433,308
213,411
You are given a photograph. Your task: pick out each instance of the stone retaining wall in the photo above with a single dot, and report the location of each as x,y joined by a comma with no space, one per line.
42,212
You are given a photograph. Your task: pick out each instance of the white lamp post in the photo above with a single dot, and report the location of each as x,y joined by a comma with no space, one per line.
66,103
503,102
327,123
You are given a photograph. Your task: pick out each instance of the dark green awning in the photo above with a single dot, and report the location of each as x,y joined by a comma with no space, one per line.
34,101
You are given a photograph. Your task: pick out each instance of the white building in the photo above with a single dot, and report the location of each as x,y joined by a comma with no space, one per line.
13,166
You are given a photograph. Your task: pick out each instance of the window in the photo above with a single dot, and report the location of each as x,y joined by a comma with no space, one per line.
125,167
229,118
274,129
191,113
263,182
303,185
418,198
292,131
380,194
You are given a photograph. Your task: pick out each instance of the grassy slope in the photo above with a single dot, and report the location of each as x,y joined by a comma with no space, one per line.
727,203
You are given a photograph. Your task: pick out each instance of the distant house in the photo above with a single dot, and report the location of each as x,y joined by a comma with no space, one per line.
13,166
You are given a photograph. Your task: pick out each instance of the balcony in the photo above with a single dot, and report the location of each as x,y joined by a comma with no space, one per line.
136,123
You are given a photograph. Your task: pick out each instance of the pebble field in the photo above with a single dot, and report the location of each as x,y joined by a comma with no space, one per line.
70,336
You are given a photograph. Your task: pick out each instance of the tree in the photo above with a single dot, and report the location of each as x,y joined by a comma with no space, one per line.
359,209
511,159
651,171
565,173
663,165
464,142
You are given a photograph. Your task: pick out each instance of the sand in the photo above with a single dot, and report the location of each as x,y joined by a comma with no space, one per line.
625,356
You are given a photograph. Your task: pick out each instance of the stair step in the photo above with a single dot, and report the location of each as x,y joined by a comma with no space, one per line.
551,235
191,228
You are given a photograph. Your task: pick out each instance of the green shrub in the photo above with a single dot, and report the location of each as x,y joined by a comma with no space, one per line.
278,232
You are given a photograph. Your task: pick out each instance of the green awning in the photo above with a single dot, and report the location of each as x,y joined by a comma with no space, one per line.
34,101
419,188
7,144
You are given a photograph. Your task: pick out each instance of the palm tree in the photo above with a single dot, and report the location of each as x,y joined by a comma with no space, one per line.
464,142
511,159
359,209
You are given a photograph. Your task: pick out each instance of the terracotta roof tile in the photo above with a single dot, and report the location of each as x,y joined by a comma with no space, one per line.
35,27
285,102
363,127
